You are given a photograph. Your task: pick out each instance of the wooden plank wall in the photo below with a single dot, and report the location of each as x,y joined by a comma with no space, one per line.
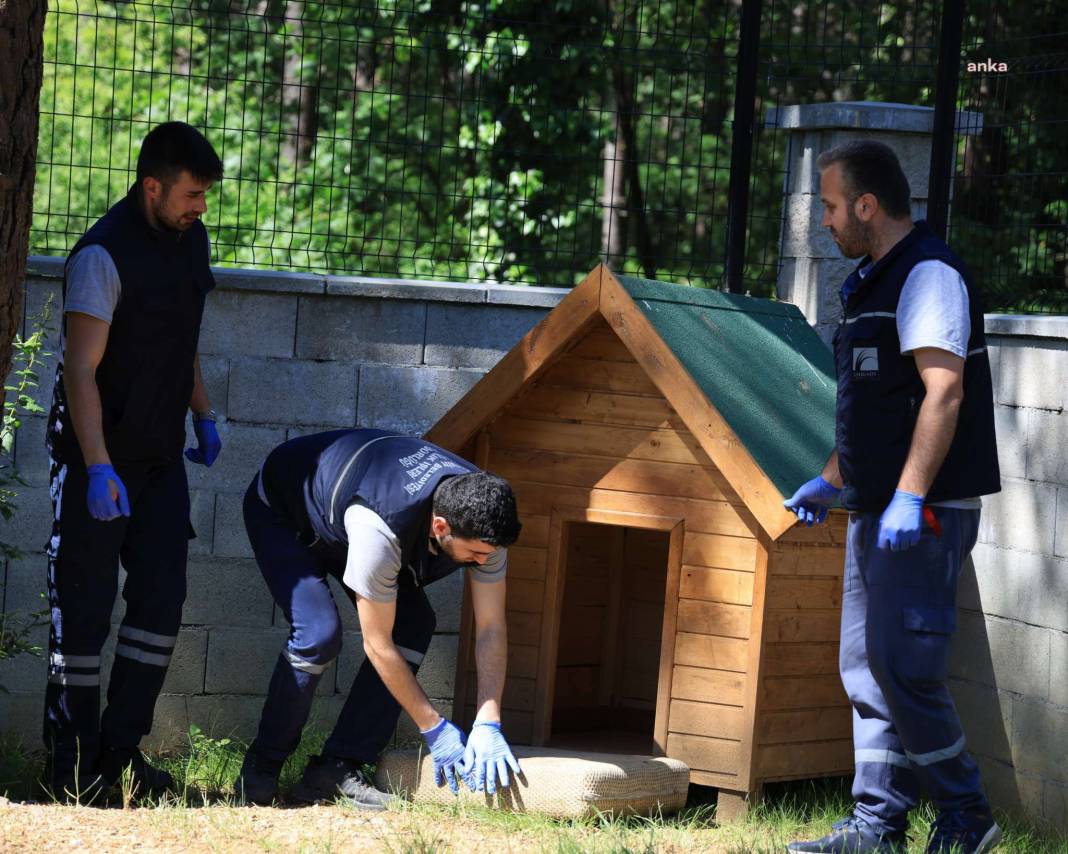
645,556
584,619
595,432
804,724
610,629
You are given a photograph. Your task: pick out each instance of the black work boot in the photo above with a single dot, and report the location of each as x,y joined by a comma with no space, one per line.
853,835
257,782
328,778
963,832
145,780
75,786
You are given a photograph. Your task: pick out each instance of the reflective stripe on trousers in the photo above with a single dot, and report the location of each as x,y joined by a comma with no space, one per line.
898,618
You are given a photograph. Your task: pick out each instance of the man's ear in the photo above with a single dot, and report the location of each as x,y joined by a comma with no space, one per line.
439,527
865,206
153,188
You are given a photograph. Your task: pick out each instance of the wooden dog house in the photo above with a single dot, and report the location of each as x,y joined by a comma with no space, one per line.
661,599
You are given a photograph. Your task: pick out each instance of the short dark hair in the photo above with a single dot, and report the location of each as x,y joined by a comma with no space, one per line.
478,506
871,167
172,147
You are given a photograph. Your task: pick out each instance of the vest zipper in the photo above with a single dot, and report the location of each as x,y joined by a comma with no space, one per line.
345,471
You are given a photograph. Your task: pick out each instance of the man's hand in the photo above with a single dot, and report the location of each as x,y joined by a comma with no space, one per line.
488,758
812,501
446,744
208,441
902,522
107,494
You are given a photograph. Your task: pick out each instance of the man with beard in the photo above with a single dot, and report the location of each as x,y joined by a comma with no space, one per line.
914,450
386,515
133,297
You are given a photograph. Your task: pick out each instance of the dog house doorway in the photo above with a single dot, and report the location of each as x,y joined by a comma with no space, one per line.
607,673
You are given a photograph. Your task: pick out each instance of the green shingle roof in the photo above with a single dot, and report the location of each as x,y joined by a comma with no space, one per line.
759,364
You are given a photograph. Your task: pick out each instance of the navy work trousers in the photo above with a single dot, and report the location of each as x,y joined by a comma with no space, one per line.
83,575
899,612
297,579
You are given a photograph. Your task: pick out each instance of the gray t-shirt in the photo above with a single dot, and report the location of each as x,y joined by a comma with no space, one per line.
933,310
373,563
93,285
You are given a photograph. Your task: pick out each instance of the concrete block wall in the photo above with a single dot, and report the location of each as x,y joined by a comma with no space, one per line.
274,373
1010,658
282,355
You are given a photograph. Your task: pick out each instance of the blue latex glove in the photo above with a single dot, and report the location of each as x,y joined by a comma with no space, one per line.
812,501
488,757
902,522
102,505
208,441
446,744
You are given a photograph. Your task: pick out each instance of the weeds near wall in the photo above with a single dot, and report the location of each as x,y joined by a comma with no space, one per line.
19,401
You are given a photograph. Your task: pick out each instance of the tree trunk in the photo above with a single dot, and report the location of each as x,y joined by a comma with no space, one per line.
625,111
300,98
614,201
21,70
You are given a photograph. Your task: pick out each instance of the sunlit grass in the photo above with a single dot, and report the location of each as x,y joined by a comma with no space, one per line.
206,768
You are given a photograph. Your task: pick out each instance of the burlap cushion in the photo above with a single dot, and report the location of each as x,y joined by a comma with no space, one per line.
561,783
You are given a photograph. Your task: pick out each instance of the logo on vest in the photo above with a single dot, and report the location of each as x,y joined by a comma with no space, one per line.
865,363
423,465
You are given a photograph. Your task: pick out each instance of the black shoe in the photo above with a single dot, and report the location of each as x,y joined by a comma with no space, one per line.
70,787
853,835
145,780
963,832
257,782
327,778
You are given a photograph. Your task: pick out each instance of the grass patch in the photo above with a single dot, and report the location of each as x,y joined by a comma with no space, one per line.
204,804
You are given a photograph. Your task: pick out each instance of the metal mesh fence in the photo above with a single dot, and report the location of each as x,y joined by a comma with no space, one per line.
1010,188
810,53
509,141
524,141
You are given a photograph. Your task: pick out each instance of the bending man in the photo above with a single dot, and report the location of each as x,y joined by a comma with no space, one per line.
387,515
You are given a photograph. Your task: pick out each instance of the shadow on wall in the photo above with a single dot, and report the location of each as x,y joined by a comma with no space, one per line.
985,712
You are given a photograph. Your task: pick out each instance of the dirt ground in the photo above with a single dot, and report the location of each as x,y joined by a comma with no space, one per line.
219,828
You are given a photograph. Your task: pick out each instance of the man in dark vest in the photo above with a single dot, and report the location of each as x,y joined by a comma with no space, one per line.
133,296
914,451
386,515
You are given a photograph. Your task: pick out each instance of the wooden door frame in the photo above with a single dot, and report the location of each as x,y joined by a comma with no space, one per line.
549,647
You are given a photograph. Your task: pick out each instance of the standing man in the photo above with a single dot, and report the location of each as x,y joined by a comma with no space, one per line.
914,450
386,515
133,296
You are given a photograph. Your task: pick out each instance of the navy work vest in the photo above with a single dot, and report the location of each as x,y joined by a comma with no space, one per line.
312,481
145,377
880,390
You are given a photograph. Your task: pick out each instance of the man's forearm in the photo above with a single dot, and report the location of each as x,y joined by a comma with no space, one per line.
936,424
830,471
401,682
199,400
86,414
491,662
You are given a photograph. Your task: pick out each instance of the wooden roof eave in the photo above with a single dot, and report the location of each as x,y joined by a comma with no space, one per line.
695,410
534,353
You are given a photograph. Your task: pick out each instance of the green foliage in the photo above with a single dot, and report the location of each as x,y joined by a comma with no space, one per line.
468,140
27,355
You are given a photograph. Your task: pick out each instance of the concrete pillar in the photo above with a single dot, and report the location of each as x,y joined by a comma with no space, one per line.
811,269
